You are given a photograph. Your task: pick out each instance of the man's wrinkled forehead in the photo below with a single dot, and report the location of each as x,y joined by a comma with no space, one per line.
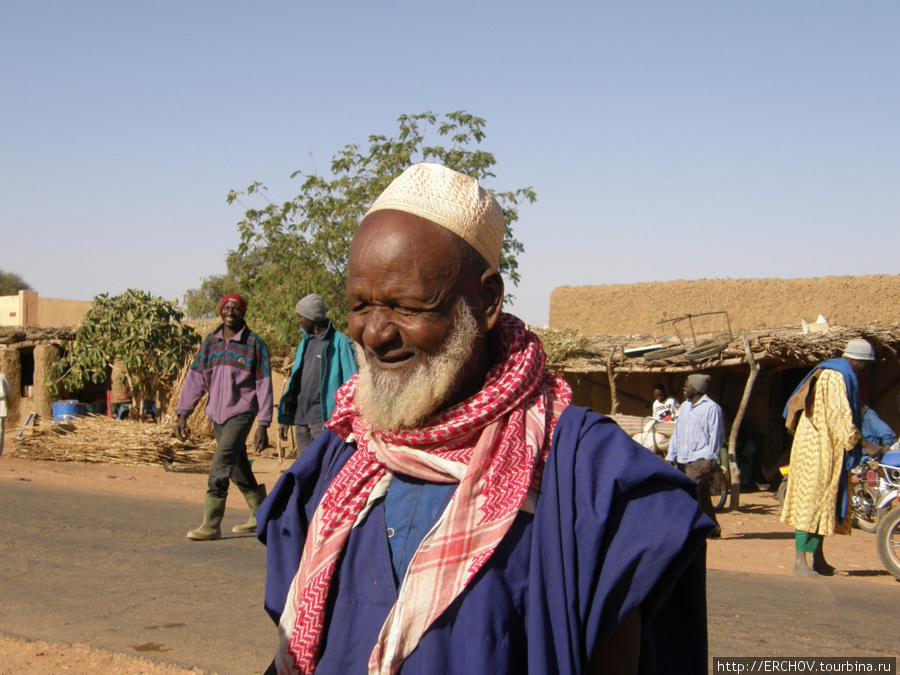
406,233
423,248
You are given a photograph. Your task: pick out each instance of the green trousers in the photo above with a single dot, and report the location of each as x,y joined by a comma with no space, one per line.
807,542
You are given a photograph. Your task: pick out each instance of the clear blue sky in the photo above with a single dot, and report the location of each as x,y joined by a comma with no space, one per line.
671,140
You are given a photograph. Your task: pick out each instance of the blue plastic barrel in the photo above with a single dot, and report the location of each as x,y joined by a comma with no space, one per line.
65,411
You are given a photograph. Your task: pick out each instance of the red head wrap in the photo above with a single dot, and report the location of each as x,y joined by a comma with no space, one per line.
236,299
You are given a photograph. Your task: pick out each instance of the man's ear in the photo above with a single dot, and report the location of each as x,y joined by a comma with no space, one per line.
490,298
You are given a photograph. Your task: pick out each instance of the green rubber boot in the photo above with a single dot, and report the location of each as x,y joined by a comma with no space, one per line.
213,510
253,498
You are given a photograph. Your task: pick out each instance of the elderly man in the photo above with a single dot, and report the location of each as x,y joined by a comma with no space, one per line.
825,416
324,361
233,366
697,439
458,515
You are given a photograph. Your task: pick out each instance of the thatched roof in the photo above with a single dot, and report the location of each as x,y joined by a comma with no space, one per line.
774,349
22,337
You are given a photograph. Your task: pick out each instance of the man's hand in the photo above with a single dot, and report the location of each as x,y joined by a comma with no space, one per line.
181,428
707,466
283,432
261,439
872,449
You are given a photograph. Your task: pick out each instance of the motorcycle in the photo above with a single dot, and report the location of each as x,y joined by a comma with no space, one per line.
867,486
888,534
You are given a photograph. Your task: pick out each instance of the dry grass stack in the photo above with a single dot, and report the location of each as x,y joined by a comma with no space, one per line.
97,439
199,426
45,356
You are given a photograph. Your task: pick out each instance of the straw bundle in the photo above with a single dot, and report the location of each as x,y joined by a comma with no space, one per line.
198,424
102,440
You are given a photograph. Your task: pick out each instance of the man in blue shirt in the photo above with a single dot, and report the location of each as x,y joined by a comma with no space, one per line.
698,437
874,429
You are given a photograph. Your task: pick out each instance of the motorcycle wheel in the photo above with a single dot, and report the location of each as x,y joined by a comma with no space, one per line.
782,491
718,490
865,515
888,542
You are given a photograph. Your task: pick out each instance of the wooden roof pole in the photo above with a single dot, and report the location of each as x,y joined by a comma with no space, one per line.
733,468
611,374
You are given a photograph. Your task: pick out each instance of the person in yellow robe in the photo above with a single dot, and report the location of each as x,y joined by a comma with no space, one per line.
824,414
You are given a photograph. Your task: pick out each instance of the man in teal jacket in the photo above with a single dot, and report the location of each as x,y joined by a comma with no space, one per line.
323,363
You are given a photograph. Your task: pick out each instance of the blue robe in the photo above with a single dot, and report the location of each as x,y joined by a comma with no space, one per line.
842,366
615,528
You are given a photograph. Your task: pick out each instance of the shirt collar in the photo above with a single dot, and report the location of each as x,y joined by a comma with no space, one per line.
703,399
240,336
328,332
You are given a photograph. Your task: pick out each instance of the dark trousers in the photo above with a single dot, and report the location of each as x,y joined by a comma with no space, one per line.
230,461
306,434
692,471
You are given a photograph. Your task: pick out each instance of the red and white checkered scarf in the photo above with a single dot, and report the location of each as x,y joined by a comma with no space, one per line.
493,444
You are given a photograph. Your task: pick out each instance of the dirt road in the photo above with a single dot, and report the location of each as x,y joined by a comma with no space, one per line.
754,541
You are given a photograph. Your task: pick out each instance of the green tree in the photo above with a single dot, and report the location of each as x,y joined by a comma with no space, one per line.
301,245
11,283
144,331
203,302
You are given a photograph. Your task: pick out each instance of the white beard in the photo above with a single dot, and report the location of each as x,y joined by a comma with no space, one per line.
388,400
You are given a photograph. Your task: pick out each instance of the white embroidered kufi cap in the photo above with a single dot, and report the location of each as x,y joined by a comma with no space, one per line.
449,199
860,350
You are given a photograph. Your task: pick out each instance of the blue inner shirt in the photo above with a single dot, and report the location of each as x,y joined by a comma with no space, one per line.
411,507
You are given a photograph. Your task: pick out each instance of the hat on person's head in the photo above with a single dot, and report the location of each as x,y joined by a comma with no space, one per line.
859,350
236,299
452,200
699,382
312,307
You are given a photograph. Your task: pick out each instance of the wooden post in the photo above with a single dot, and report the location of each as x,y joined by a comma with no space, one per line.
118,384
735,501
45,357
11,366
611,373
279,444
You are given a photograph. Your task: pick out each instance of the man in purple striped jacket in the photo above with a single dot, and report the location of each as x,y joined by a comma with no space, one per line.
233,366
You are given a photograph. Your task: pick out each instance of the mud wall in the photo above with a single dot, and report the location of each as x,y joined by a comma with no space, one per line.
18,310
52,313
637,309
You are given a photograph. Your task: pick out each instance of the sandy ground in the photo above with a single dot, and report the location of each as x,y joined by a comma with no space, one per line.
21,657
753,541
